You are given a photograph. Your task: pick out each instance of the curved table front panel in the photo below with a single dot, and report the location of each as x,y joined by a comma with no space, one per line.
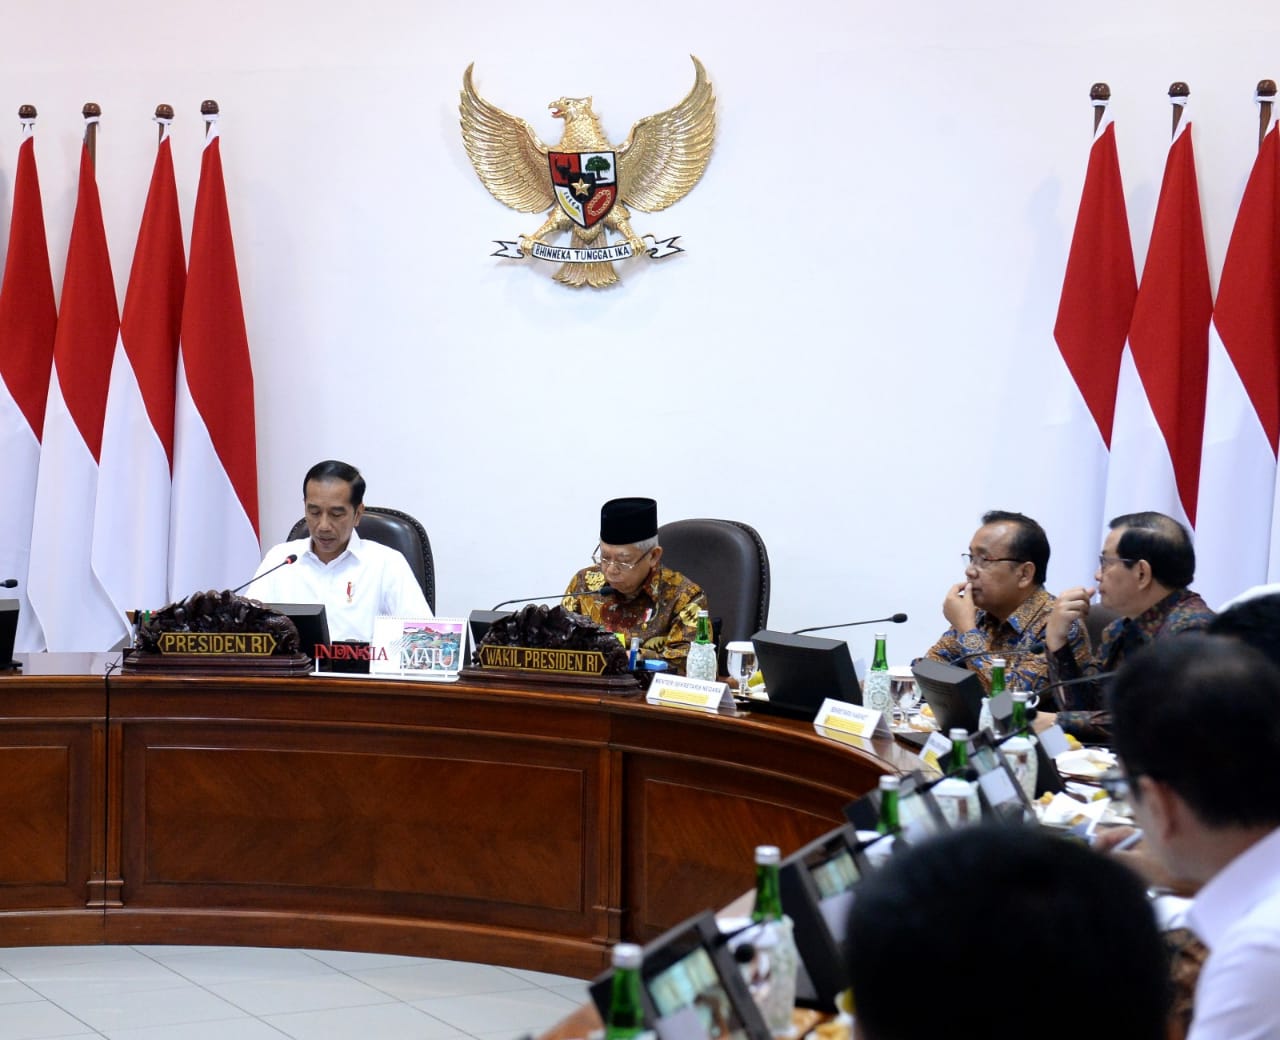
524,824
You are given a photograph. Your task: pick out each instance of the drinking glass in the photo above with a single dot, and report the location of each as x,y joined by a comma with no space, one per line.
741,660
903,690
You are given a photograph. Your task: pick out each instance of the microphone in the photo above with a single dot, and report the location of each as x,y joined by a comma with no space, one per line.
602,590
896,619
291,558
1061,684
1035,647
9,583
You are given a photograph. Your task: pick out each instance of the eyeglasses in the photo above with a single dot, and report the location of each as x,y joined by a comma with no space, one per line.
1118,783
983,562
604,562
1105,561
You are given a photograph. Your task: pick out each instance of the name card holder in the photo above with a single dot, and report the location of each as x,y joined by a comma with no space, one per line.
843,717
934,748
699,694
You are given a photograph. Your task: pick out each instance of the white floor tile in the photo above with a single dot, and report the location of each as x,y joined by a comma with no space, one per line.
420,980
236,1029
250,964
12,991
310,993
545,979
383,1022
137,975
349,960
163,1007
526,1010
38,1020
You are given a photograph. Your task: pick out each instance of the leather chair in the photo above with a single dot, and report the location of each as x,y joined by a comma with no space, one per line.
399,531
1099,617
729,560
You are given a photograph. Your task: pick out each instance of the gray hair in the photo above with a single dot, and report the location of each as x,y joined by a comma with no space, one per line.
647,545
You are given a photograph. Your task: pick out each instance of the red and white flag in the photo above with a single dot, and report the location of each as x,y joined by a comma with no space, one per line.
73,608
28,323
1159,421
1094,313
213,534
1242,409
131,525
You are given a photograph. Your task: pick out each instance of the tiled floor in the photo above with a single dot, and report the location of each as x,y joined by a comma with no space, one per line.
229,993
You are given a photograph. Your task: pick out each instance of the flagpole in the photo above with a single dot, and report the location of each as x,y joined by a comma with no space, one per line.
1100,95
1265,95
92,112
209,109
1178,94
163,117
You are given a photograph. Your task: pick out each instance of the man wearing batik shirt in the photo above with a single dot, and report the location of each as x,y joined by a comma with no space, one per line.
629,591
1146,564
1001,608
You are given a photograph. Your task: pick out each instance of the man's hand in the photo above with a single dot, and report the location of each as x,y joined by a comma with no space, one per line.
1069,607
958,607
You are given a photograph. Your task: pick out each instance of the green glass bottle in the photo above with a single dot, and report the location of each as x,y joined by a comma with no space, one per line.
875,689
997,676
888,822
701,662
768,888
1018,720
959,751
626,1011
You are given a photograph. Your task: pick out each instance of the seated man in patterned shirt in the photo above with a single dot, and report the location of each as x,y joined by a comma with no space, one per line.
1147,562
1001,608
629,591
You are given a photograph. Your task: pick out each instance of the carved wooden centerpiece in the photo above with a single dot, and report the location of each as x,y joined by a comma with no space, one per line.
555,644
217,633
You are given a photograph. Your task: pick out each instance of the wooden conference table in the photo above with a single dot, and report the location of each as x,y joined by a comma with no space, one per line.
510,822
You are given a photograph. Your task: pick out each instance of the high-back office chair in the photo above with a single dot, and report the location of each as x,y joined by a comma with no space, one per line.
1099,617
729,560
399,531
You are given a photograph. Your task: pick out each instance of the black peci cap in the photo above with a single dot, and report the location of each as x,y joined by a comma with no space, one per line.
625,521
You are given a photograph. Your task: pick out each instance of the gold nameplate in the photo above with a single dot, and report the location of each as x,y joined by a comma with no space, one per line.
217,644
533,659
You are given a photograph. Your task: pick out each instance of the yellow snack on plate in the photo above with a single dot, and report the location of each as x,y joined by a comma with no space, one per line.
1072,743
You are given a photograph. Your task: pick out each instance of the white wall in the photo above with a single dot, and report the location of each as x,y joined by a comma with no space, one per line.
861,326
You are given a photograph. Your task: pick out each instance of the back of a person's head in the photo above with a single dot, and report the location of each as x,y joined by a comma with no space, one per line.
1160,540
1254,621
1011,930
1202,714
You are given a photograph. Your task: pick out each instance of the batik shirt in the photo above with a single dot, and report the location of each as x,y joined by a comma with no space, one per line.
663,612
1019,639
1083,713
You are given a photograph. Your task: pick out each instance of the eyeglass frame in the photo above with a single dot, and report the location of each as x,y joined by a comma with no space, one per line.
981,563
1105,561
602,562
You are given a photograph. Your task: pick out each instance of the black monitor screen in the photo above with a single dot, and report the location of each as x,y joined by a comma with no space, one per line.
800,672
311,621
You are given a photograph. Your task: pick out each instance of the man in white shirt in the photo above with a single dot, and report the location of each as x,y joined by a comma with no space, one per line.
1197,730
355,579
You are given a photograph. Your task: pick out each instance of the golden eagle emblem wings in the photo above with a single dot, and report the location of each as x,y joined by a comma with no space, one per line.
585,182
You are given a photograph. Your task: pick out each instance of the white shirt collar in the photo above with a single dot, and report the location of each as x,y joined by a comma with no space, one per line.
1236,889
353,547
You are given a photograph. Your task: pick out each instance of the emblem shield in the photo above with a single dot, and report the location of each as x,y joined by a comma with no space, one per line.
585,183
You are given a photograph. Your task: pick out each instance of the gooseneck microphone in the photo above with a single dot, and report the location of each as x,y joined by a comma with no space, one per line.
291,558
601,591
895,619
9,583
1033,647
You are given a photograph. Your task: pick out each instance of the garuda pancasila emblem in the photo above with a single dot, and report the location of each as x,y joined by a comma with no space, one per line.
584,181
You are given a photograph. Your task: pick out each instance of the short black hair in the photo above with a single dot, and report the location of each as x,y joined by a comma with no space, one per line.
1019,900
1181,709
332,469
1030,543
1254,621
1160,540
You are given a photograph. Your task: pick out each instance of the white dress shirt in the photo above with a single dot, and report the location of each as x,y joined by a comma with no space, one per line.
366,580
1237,916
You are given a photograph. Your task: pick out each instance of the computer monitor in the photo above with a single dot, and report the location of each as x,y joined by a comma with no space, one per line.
1001,796
919,814
800,672
691,984
817,883
311,621
953,694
